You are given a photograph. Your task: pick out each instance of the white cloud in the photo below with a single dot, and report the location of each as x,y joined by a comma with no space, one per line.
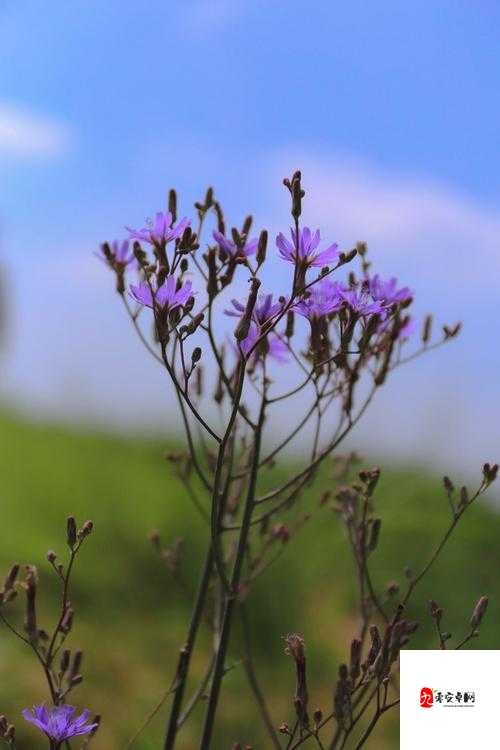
429,228
24,134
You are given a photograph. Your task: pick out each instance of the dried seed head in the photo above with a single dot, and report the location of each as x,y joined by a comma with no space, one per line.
86,529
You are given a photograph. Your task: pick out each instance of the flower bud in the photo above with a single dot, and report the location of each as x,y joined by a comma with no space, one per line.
11,577
479,612
172,204
261,248
71,531
427,329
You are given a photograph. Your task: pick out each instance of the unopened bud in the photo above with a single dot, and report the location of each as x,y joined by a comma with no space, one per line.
374,534
479,612
490,473
427,329
71,531
172,204
261,248
11,577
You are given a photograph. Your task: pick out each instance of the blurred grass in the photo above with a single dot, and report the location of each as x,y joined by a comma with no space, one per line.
131,616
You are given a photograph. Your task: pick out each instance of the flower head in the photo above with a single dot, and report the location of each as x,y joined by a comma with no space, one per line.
120,252
271,345
264,310
170,294
325,297
59,723
232,249
387,292
161,230
304,251
361,302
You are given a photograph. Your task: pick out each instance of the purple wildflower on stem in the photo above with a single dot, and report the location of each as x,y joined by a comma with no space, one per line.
325,297
271,345
306,246
170,294
361,303
120,252
59,723
161,231
387,292
264,310
232,249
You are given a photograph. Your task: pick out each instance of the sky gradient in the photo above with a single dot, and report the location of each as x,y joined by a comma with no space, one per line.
392,113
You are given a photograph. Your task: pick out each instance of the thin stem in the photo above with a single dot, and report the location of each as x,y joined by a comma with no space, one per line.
254,683
186,652
234,587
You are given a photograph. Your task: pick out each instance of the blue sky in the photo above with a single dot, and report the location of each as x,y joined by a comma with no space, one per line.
391,110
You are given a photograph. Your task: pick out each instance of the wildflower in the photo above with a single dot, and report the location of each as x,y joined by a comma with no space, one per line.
58,723
170,294
387,292
117,253
161,231
232,249
361,303
264,310
271,345
303,251
325,297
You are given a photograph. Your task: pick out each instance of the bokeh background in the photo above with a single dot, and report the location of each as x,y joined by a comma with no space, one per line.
391,111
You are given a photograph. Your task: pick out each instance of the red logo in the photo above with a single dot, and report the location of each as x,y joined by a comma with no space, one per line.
426,698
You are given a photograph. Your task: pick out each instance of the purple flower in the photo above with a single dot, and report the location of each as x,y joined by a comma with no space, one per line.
232,249
325,297
271,345
361,303
59,723
161,231
120,252
387,292
264,310
307,246
169,295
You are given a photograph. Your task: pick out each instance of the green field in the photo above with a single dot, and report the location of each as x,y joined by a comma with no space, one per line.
131,614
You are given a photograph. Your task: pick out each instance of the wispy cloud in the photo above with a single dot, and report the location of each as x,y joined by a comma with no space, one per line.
427,227
207,16
24,134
